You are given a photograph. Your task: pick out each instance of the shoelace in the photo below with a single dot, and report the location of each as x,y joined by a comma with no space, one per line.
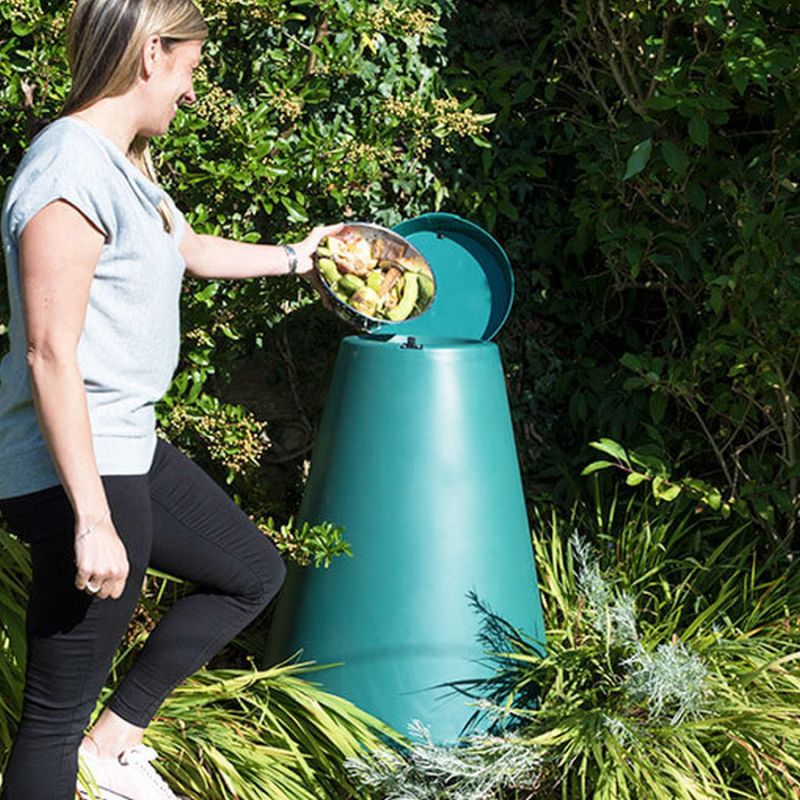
140,755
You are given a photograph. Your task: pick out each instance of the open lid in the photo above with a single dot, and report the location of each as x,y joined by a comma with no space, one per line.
474,281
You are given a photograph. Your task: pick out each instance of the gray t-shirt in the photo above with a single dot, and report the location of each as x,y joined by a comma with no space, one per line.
128,349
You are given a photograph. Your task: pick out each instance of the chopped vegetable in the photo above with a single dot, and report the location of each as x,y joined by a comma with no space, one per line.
365,300
350,283
327,269
375,279
425,288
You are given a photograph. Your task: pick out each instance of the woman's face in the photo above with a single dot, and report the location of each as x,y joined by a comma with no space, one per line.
170,83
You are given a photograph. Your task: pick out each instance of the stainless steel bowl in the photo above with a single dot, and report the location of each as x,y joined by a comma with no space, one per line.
364,322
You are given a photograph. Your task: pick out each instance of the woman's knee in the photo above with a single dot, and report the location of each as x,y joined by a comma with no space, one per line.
267,574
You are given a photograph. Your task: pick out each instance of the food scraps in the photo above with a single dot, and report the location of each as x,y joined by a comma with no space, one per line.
375,277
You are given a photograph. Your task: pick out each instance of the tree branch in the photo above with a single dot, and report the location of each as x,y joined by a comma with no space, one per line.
320,33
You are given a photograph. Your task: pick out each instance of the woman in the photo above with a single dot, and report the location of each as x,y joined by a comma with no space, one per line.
95,252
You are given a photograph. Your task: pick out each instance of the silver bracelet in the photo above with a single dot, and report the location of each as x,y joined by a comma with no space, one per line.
292,256
91,528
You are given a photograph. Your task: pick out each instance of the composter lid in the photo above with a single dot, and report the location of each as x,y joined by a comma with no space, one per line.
474,281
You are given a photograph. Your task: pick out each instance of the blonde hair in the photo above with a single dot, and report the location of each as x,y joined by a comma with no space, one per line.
104,44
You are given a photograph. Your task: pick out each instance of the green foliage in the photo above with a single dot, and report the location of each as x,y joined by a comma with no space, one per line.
671,667
641,467
649,153
306,543
229,434
705,228
637,161
14,577
259,735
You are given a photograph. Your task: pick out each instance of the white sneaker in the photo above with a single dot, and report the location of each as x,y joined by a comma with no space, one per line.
129,776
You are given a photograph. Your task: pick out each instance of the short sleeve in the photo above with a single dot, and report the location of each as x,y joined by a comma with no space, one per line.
57,174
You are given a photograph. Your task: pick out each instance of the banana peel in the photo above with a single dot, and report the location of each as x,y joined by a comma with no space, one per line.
407,301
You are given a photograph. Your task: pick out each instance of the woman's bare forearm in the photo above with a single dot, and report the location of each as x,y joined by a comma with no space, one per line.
59,397
218,258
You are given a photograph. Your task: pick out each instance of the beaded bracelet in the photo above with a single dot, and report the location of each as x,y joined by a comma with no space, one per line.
91,528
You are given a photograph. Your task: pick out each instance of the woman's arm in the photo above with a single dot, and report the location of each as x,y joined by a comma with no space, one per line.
214,257
58,252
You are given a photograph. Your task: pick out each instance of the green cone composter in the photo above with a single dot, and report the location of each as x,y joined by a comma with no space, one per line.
415,458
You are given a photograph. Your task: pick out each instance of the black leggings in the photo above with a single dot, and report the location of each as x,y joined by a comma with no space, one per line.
175,519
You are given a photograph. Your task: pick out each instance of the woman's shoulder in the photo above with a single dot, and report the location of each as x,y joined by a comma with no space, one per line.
65,144
63,161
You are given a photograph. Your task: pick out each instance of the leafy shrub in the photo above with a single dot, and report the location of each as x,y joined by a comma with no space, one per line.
643,175
671,669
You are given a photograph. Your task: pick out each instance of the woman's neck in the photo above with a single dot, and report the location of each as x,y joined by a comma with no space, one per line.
114,118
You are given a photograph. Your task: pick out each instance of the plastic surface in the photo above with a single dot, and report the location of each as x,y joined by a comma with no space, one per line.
415,457
474,279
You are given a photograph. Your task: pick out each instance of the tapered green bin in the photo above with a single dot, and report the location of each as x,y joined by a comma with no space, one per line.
415,458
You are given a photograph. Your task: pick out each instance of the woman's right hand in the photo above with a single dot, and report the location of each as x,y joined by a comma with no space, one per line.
101,559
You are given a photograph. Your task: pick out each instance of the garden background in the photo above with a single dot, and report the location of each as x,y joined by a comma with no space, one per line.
639,163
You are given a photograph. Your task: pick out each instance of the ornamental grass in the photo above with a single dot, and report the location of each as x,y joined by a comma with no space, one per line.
673,658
